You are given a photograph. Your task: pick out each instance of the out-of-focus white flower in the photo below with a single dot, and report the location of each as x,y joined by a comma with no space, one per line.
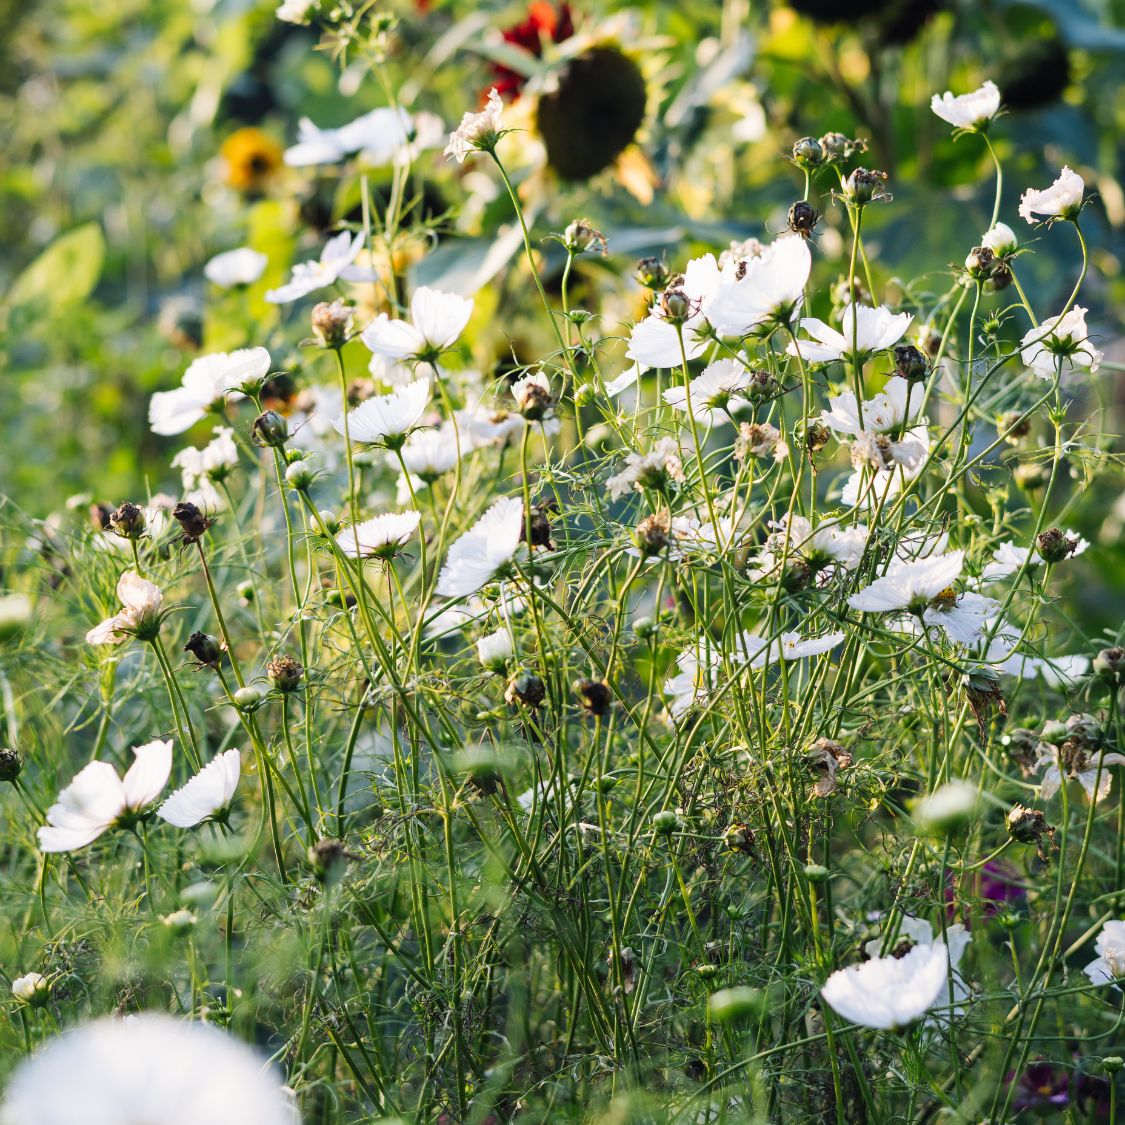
909,585
1001,240
948,806
895,404
655,341
476,129
494,650
1007,559
828,545
656,469
969,111
917,931
1059,339
793,646
769,290
438,320
212,463
97,798
235,267
1109,965
623,382
694,680
336,263
140,611
297,11
381,537
205,796
1089,769
146,1068
1062,200
864,330
428,454
714,393
533,396
890,992
487,547
386,419
379,135
207,383
31,989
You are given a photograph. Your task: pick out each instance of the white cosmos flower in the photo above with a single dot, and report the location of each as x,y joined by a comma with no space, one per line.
1058,672
864,330
494,650
917,931
770,289
388,416
476,128
969,111
97,798
963,618
895,404
206,795
1091,771
1109,965
1062,199
428,454
438,320
213,462
151,1069
655,469
794,646
30,988
654,342
336,263
380,537
489,545
1001,240
696,667
908,584
1062,337
297,11
890,992
379,135
140,609
714,393
830,543
235,267
209,381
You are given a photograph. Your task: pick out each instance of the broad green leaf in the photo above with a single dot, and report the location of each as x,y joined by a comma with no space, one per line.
64,273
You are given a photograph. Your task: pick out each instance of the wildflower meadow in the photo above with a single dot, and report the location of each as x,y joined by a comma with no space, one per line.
562,563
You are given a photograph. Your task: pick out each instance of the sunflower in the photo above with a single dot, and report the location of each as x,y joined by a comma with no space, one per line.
251,159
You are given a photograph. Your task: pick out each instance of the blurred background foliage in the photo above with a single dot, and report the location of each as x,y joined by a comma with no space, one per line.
144,136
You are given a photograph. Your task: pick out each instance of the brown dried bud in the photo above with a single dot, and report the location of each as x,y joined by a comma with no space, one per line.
803,217
978,264
329,860
1014,425
206,650
825,758
128,521
1055,545
10,763
192,521
817,436
910,363
540,528
286,673
525,688
1029,826
653,533
331,323
594,696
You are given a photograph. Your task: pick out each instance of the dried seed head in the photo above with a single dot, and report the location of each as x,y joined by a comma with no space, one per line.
206,650
1055,545
653,533
525,688
11,763
910,363
329,860
803,217
594,696
286,673
332,323
128,521
192,521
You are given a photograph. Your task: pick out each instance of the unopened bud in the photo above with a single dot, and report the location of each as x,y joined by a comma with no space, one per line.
863,187
580,237
270,428
128,521
1109,664
247,698
675,305
652,273
803,217
299,476
808,153
979,262
206,650
665,822
31,989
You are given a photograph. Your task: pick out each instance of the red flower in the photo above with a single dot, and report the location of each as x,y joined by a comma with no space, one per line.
545,21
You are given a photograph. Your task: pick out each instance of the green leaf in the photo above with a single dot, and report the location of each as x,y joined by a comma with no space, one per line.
64,273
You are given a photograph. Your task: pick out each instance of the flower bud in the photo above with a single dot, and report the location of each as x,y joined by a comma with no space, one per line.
494,650
910,363
269,428
329,860
1055,545
645,627
584,394
1109,664
803,218
762,385
31,989
246,591
675,304
299,476
863,187
331,323
838,148
652,273
1053,731
999,277
594,695
206,650
665,822
128,521
808,153
1111,1064
525,688
580,237
739,838
1014,426
816,873
11,763
653,534
192,521
247,698
285,673
1031,475
533,397
733,1005
978,264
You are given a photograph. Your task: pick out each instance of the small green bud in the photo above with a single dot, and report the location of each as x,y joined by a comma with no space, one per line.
665,822
733,1005
247,698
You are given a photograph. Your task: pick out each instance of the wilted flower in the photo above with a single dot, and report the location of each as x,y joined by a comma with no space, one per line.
477,131
148,1067
336,263
1058,339
760,439
969,111
437,320
657,469
1062,200
235,267
193,522
485,549
533,396
381,537
97,799
207,383
285,672
332,322
139,616
525,688
206,650
1075,760
207,796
